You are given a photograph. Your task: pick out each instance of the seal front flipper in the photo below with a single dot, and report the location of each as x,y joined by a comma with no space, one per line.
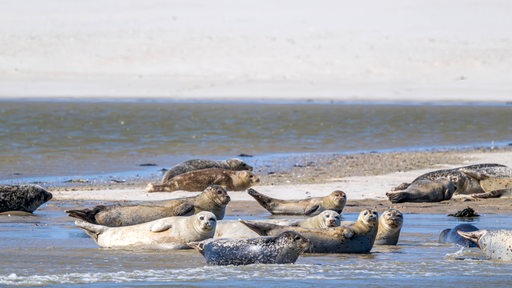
160,226
262,229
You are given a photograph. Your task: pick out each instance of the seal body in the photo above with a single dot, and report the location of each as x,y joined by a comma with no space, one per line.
213,199
390,225
452,235
495,244
234,164
165,233
309,207
282,249
26,198
480,181
358,237
198,180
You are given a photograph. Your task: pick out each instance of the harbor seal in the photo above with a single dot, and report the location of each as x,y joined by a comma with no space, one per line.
390,224
234,164
198,180
213,199
358,237
451,235
165,233
309,207
25,198
326,219
282,249
495,244
480,181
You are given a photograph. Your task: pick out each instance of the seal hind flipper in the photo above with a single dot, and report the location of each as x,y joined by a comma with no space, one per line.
396,197
92,230
493,194
262,229
263,200
198,246
312,210
472,236
88,214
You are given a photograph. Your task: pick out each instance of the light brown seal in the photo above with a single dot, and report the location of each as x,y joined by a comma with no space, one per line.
355,238
390,224
284,248
214,199
309,206
165,233
234,164
23,198
495,244
198,180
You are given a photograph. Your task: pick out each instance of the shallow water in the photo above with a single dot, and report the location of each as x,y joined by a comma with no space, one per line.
56,138
47,249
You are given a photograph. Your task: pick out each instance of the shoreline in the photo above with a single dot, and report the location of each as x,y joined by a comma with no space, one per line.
365,177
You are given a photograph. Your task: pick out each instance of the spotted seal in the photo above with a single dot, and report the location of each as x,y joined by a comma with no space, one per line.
390,225
284,248
480,180
358,237
198,180
214,199
25,198
451,235
495,244
234,164
165,233
309,206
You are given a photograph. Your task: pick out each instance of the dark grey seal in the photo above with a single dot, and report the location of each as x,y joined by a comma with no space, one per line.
198,164
451,235
480,181
26,198
282,249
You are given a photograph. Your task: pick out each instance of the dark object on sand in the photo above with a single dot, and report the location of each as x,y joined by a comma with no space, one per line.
466,212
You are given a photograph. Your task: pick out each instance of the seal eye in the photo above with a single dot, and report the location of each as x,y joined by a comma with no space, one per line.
365,213
201,218
297,238
219,192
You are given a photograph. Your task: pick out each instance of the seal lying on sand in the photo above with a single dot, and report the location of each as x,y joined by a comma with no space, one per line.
234,164
214,199
282,249
198,180
451,235
390,224
495,244
25,198
165,233
309,206
235,229
486,180
355,238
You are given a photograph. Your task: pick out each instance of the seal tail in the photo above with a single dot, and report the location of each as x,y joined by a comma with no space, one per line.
263,229
265,201
198,246
88,215
473,236
396,197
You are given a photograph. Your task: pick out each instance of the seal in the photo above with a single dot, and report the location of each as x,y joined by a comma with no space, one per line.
390,224
358,237
234,164
284,248
451,235
480,181
309,207
198,180
495,244
165,233
25,198
213,199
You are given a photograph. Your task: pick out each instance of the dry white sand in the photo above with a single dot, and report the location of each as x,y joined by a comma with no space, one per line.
292,49
357,188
